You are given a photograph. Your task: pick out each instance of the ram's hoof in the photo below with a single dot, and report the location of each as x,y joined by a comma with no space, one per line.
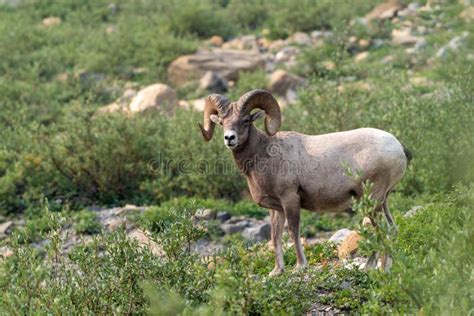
299,268
276,272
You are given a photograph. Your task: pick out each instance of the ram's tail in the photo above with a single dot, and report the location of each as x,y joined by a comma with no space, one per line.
408,153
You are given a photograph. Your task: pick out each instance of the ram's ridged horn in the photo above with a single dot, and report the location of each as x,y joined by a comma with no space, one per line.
264,100
215,104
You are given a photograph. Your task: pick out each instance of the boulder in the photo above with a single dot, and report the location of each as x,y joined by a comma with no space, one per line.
246,42
286,54
223,217
468,14
300,38
5,229
340,235
144,241
281,81
51,21
386,10
216,41
349,245
361,56
196,104
404,37
414,210
231,227
205,214
155,97
258,232
227,63
212,82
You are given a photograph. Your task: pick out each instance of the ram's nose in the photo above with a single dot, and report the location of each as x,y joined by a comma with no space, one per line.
230,139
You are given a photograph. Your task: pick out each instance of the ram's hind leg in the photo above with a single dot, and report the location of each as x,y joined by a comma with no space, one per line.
386,260
277,223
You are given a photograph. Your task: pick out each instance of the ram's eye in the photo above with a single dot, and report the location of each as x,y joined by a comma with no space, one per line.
246,122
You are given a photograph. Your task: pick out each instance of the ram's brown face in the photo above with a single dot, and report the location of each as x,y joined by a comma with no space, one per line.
236,126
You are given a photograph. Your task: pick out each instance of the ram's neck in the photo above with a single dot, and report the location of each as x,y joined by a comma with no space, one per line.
253,149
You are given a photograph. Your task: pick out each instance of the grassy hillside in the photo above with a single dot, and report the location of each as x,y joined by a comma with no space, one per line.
59,161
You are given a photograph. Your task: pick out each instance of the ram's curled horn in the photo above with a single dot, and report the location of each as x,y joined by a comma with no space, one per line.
215,104
264,100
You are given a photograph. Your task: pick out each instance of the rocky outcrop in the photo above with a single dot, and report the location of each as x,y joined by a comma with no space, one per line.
155,97
386,10
281,81
226,63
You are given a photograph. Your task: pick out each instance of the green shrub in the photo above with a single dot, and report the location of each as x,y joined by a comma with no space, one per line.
86,222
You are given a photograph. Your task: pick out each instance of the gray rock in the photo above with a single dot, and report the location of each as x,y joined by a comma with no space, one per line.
235,227
286,54
5,229
212,82
206,247
340,235
154,97
205,214
413,211
223,217
281,81
258,232
225,62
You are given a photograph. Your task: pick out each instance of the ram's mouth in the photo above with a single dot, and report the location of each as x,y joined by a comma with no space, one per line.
231,146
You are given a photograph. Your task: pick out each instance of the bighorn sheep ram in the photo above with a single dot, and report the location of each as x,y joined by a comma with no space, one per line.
287,171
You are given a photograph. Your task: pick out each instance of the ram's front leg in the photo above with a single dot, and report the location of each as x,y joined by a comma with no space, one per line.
277,222
292,212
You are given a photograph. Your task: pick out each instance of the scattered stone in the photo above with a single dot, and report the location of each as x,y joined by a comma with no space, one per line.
277,45
404,37
246,42
62,77
258,232
51,21
383,11
349,245
319,309
212,82
364,43
319,35
223,217
231,227
155,97
300,38
286,54
205,214
144,241
388,59
419,46
216,41
329,65
281,81
467,14
453,45
197,104
227,63
414,210
340,235
206,247
361,56
5,229
5,252
410,10
111,29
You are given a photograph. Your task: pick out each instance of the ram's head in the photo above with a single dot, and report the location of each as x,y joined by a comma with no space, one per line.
237,117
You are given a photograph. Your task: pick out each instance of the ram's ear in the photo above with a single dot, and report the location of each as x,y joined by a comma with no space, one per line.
255,116
215,119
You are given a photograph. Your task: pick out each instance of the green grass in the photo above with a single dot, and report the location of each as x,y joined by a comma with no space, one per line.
53,149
